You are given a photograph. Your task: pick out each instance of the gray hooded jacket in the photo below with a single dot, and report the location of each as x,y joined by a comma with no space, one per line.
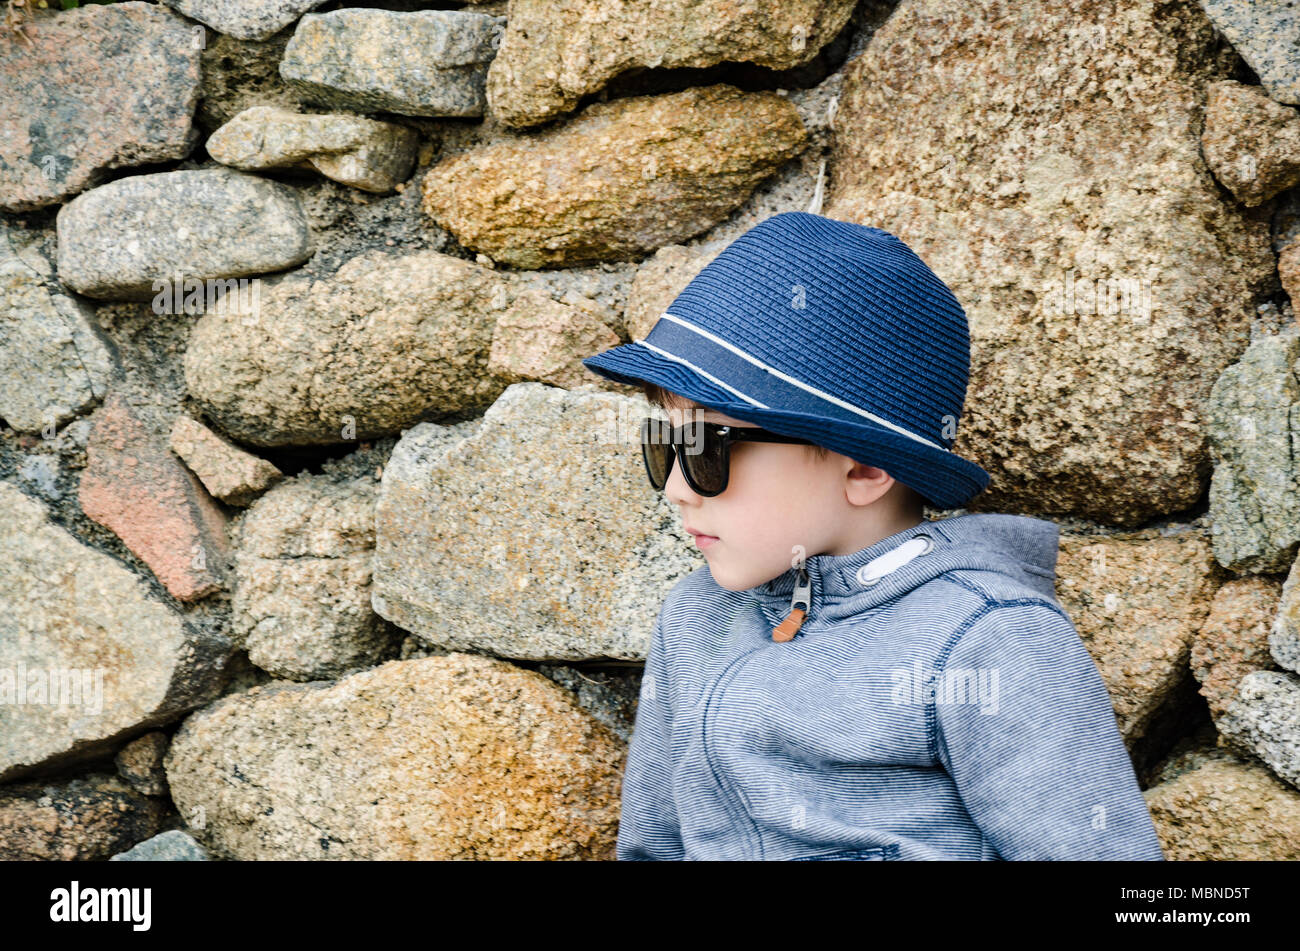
937,703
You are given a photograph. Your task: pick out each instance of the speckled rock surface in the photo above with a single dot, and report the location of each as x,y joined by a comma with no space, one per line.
1233,641
377,766
140,763
84,819
1029,153
375,347
139,490
54,361
245,19
71,607
301,602
171,846
1266,34
117,240
618,180
1250,142
228,472
1253,410
418,63
553,54
1226,810
1284,632
1264,722
1137,600
353,150
99,87
540,338
469,555
1288,271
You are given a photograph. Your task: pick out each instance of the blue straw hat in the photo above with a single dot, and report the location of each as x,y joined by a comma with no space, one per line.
831,331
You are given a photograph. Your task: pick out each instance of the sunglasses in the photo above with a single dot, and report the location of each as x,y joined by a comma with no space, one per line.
703,449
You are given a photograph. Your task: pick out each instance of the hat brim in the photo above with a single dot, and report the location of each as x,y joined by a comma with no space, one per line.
944,479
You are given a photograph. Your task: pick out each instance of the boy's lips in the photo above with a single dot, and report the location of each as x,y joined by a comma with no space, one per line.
701,539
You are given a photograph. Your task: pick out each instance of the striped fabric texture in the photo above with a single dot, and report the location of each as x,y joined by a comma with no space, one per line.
936,704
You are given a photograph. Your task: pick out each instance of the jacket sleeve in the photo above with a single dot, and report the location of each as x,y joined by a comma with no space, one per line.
648,827
1037,757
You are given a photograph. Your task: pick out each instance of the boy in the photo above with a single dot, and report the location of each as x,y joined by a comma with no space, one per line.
844,679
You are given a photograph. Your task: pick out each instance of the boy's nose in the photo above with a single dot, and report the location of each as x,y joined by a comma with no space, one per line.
676,489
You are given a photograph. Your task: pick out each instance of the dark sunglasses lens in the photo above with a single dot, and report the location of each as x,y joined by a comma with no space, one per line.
657,453
703,453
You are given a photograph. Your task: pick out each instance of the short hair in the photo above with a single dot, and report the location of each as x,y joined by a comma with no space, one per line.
666,399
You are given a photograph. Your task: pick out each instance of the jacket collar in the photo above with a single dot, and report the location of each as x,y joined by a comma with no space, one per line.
845,585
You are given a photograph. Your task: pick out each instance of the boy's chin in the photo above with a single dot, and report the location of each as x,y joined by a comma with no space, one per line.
732,581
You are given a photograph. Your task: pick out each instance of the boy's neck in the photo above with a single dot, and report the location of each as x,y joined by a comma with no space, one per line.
868,536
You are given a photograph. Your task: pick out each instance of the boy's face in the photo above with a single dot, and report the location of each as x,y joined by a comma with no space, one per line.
781,501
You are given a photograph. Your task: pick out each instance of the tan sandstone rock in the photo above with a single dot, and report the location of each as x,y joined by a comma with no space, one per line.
228,472
450,757
1138,601
618,180
1226,810
1233,641
1250,142
553,54
542,339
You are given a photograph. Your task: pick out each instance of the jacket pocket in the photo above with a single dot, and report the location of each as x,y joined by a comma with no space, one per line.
882,853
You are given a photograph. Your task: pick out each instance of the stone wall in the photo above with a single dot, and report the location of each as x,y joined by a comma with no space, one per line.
300,468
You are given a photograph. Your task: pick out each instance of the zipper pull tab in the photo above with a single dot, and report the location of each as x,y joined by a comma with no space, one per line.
787,629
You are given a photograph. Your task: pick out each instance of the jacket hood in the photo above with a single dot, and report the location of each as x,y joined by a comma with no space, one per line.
1021,548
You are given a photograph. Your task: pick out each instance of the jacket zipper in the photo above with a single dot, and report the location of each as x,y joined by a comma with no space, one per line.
802,595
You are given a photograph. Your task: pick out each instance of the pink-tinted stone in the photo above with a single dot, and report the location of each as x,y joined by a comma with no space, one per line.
97,87
136,488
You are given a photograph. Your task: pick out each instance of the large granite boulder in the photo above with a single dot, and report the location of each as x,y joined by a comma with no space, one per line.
1045,161
450,757
87,653
416,63
501,542
118,241
383,342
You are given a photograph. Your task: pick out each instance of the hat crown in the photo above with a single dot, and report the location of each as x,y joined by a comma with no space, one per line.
830,317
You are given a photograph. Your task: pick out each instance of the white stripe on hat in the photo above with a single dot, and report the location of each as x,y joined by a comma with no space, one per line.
708,376
777,373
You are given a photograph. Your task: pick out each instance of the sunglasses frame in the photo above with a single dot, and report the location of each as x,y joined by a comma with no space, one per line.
715,434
